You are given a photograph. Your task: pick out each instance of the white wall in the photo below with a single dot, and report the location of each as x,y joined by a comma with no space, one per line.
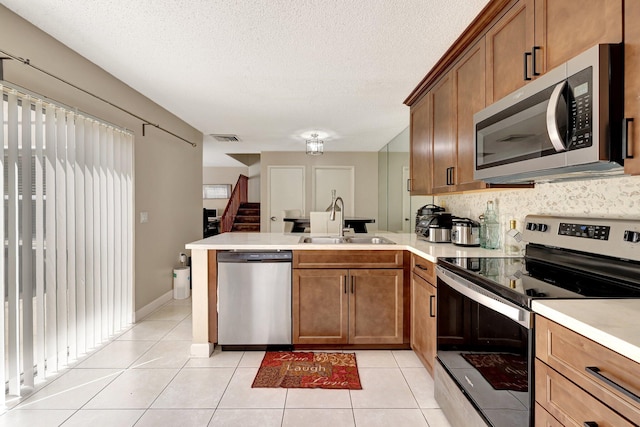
366,179
254,183
167,171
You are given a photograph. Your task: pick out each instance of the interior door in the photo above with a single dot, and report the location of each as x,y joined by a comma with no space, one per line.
286,192
339,178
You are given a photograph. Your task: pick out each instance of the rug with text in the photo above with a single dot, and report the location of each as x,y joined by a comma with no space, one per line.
288,369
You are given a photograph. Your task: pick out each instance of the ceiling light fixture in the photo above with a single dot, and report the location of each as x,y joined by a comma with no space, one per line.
315,146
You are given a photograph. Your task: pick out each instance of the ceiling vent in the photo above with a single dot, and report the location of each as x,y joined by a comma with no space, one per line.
225,138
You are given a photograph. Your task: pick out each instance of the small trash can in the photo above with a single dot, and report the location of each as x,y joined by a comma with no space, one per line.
181,282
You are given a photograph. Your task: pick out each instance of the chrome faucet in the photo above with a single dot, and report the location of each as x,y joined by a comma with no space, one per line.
332,215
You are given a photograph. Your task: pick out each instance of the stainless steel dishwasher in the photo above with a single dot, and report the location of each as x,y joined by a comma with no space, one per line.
254,298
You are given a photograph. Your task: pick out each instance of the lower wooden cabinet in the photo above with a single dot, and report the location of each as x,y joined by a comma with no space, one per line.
578,381
348,306
423,321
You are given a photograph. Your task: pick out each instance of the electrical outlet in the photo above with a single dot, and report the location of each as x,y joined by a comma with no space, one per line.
144,217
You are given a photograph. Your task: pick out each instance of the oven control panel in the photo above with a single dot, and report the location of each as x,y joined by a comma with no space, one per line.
614,237
600,232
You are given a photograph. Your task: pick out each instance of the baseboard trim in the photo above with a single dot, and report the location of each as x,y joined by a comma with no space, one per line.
152,306
201,349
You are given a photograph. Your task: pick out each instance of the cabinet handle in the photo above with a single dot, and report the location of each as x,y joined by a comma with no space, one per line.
533,60
627,148
408,184
590,424
526,66
422,267
431,299
345,284
450,175
595,371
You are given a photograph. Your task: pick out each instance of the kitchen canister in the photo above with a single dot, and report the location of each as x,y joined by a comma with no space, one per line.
181,282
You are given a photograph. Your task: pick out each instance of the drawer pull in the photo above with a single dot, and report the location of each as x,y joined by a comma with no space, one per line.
345,284
431,299
421,267
595,371
590,424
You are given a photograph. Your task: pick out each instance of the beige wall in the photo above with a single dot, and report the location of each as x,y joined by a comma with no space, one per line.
167,171
366,179
221,175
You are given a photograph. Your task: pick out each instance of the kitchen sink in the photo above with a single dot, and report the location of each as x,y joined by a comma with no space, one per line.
330,240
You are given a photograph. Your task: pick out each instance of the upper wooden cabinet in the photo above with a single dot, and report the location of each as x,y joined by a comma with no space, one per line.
509,43
420,136
535,36
632,85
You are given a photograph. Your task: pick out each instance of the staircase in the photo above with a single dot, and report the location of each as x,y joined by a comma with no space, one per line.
247,218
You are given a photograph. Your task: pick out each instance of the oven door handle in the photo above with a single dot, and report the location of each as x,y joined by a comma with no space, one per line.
486,298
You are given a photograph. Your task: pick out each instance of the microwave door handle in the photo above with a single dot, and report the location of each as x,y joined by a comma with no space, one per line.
552,122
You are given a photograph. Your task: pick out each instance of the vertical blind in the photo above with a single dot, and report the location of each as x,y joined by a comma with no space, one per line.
68,245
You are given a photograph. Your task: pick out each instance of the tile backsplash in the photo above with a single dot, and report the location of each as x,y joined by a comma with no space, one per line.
611,197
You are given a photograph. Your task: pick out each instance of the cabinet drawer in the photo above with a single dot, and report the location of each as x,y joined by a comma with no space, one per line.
571,405
571,354
347,259
544,419
423,268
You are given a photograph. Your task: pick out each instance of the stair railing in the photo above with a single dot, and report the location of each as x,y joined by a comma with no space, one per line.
238,196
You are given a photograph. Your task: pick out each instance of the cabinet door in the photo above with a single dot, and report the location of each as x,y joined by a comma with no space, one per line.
420,159
563,29
320,306
469,75
444,142
423,321
632,83
376,307
507,41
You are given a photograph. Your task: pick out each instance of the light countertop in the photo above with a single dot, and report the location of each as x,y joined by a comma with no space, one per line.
609,322
404,241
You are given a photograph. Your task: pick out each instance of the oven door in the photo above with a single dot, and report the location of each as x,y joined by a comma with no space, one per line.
485,344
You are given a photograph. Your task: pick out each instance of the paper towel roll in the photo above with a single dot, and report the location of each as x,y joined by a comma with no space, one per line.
181,281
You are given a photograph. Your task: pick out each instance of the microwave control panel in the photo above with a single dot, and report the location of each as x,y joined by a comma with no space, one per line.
580,100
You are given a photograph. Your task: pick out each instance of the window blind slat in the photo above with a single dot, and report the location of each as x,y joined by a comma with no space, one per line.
110,231
39,242
51,275
61,236
13,302
70,211
89,230
3,139
26,260
104,248
81,319
117,236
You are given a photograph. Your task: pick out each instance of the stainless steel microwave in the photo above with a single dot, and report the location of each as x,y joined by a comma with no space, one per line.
566,124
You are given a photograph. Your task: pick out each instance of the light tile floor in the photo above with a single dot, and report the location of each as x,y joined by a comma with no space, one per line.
146,378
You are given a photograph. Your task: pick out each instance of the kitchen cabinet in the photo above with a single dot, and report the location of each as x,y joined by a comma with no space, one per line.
579,381
443,117
420,137
423,311
535,36
508,42
632,85
354,305
449,128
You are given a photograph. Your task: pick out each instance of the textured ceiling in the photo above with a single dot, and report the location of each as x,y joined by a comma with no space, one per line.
269,71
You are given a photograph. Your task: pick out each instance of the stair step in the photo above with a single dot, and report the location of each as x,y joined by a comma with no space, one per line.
250,205
246,227
252,212
247,219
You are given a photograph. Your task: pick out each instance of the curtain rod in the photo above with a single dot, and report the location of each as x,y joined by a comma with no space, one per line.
146,122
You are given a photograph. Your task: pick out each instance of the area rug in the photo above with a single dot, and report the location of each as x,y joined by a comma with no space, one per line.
288,369
502,371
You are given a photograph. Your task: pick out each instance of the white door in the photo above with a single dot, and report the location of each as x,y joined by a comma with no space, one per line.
339,178
406,201
286,192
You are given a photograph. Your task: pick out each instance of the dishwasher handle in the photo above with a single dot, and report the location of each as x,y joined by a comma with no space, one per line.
254,256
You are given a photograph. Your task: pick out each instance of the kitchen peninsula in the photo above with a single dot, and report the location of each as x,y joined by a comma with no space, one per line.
203,274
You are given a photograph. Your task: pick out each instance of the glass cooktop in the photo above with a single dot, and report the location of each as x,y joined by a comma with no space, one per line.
521,280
